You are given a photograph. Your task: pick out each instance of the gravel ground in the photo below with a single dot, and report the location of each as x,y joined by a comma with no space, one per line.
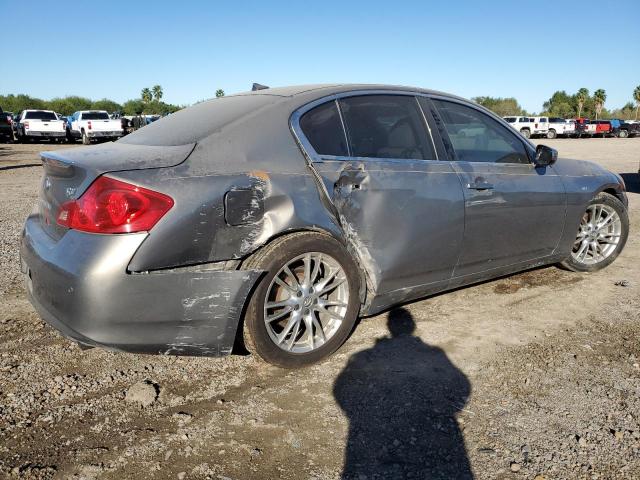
533,376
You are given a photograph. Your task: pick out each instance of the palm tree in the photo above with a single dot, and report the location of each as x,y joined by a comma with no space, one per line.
581,97
219,93
157,92
146,95
599,97
636,97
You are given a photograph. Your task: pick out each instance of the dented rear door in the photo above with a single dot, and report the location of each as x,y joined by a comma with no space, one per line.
404,217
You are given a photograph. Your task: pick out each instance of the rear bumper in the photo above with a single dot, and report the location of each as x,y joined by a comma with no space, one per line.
94,134
32,133
81,287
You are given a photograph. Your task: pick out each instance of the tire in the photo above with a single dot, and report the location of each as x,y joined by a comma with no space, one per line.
85,138
605,202
526,133
623,134
551,134
260,338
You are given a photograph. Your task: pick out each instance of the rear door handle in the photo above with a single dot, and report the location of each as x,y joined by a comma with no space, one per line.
480,184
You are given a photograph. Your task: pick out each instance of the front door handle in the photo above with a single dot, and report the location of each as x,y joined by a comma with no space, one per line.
480,184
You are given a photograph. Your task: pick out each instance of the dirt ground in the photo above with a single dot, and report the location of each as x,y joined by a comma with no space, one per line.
533,376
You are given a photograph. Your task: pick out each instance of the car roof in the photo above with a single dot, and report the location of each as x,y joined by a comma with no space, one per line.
335,88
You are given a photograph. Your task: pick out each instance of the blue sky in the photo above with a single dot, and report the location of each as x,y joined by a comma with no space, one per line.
115,48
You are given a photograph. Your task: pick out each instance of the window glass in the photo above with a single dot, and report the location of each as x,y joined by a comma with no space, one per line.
510,119
386,126
40,115
95,116
322,127
476,137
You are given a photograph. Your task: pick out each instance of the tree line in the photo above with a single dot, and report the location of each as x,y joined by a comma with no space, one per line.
561,104
150,102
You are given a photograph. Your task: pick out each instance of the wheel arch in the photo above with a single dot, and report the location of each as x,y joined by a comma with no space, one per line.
336,234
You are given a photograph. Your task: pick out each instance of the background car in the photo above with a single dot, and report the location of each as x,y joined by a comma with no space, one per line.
282,215
6,129
32,125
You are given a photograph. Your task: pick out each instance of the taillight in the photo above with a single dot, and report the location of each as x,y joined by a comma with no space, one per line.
89,124
112,206
26,125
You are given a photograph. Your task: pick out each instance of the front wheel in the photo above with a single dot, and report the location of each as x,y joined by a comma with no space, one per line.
551,134
623,134
525,133
306,304
85,138
602,234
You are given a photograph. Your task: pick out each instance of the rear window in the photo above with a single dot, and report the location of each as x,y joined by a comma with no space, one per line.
386,126
192,124
40,115
323,129
95,116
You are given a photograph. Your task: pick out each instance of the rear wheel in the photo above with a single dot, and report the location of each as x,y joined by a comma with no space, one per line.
623,134
551,134
526,133
85,138
602,234
306,305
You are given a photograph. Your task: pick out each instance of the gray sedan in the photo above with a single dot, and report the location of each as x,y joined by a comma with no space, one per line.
279,216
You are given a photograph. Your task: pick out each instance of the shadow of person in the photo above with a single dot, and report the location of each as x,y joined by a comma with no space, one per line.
401,398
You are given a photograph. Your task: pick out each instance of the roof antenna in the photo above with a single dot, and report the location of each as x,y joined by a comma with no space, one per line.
258,86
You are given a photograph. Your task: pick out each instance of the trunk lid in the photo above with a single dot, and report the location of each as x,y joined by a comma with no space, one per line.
68,173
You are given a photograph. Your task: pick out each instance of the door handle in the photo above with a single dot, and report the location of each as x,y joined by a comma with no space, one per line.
480,184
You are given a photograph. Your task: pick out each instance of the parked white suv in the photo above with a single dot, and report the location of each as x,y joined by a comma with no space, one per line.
38,124
93,124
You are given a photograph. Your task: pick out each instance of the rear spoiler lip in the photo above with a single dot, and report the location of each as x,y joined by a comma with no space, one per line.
115,157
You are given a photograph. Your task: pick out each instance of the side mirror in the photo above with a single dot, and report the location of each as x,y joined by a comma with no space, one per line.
545,156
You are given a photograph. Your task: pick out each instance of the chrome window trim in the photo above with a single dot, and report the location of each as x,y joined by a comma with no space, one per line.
313,156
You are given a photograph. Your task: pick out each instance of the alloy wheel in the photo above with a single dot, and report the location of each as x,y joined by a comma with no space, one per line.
598,235
306,302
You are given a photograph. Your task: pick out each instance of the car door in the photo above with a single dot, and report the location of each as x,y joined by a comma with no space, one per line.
399,204
514,212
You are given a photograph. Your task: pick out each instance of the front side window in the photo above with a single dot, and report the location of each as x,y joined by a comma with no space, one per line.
476,137
386,126
322,127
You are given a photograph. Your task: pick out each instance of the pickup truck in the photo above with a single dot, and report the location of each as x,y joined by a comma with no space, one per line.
559,126
540,126
585,128
6,130
524,125
624,129
38,124
93,124
603,127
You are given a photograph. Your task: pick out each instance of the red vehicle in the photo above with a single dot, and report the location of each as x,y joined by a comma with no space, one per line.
603,127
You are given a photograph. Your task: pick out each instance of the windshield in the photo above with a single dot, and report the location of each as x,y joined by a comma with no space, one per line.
95,116
40,115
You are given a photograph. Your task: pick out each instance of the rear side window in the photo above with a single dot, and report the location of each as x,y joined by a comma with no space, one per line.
40,115
322,127
386,126
476,137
